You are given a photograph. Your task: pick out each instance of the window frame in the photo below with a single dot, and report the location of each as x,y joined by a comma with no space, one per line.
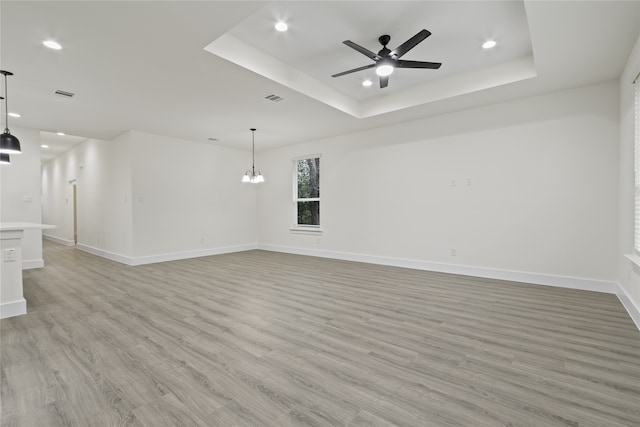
304,228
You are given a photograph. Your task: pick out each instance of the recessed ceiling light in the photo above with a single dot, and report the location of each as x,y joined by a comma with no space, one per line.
61,133
15,115
367,83
52,44
44,146
281,26
489,44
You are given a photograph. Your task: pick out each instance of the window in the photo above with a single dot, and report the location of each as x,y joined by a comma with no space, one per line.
637,169
307,192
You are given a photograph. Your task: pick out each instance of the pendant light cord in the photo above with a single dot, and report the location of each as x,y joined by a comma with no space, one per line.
253,152
6,108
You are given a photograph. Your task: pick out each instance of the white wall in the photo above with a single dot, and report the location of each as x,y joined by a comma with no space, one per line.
146,198
110,197
20,191
542,199
101,172
188,197
628,273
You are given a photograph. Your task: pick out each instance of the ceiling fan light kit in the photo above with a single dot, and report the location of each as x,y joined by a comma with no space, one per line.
386,61
384,70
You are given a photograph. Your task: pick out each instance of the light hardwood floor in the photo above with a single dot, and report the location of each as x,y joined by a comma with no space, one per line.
269,339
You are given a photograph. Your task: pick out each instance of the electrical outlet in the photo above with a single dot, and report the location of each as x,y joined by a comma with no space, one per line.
453,252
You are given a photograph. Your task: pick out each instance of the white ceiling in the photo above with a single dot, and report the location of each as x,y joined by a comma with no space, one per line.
143,65
52,144
314,46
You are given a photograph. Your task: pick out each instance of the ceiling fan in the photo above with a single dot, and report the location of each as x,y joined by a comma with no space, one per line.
387,60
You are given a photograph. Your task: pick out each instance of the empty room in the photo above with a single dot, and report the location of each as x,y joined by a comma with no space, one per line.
320,213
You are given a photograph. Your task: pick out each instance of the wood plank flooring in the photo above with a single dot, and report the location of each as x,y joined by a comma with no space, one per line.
269,339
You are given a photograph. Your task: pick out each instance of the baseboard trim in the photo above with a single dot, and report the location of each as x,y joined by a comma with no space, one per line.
175,256
28,264
105,254
489,273
59,240
13,308
629,305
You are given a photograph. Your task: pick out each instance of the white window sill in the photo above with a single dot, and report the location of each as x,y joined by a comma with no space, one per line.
633,258
306,230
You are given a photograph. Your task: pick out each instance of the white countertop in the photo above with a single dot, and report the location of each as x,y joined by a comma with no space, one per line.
12,226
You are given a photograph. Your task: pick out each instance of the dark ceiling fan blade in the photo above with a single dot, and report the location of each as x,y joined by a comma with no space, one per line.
410,44
362,50
384,81
418,64
366,67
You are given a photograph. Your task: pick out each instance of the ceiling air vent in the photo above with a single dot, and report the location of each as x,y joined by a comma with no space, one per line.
64,93
274,98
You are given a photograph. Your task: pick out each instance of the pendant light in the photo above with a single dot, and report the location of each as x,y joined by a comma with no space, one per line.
251,175
9,144
4,157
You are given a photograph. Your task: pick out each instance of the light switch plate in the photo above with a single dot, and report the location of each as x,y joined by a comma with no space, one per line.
9,255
